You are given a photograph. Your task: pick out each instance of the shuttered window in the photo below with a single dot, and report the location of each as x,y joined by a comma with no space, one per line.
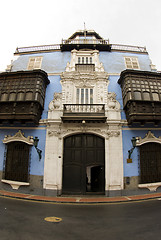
132,63
34,63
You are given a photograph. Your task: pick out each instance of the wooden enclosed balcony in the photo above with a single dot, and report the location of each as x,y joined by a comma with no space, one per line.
141,92
84,113
22,96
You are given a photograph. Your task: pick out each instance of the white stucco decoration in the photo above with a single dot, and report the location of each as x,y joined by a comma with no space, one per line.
19,136
56,103
149,138
93,54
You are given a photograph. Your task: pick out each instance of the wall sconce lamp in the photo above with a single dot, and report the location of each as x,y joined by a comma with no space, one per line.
36,140
133,140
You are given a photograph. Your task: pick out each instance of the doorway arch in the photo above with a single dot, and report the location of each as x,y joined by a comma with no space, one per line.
84,164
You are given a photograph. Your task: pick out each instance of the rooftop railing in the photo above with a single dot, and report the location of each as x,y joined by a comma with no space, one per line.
57,47
42,48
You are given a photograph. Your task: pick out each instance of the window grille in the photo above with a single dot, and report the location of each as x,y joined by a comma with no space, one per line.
132,63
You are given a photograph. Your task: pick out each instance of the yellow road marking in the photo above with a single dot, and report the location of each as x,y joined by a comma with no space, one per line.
53,219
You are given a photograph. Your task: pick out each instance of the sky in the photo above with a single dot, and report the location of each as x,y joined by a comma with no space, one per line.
38,22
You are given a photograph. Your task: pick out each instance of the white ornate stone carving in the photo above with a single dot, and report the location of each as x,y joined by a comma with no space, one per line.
112,104
149,137
56,102
19,136
93,54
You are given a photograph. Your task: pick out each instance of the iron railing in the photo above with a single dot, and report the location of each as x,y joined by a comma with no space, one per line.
57,47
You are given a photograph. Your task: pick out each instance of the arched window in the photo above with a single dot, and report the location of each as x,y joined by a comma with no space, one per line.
137,95
20,96
155,96
12,96
28,95
146,96
4,97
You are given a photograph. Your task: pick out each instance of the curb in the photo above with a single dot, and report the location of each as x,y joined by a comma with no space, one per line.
80,200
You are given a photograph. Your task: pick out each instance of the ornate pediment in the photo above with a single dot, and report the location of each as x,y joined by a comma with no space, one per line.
19,136
149,137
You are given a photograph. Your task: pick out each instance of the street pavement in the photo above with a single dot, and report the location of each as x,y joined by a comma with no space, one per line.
30,220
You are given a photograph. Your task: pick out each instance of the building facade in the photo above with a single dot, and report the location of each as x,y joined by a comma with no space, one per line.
69,112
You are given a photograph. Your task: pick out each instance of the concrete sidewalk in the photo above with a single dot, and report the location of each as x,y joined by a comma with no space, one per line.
80,199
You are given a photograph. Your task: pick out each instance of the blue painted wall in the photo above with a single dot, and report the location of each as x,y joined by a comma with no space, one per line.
132,169
52,62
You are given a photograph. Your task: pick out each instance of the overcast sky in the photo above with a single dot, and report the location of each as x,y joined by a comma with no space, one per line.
36,22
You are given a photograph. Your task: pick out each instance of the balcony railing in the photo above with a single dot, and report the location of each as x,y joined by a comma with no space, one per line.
87,112
85,67
84,108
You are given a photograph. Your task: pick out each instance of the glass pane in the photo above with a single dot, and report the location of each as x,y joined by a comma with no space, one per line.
86,98
146,96
137,95
4,97
77,98
129,96
12,96
82,95
20,96
155,96
91,96
29,96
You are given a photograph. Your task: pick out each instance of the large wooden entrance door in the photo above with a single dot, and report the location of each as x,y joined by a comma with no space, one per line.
150,163
84,164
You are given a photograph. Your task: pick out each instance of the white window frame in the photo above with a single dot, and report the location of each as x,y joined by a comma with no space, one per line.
131,62
34,63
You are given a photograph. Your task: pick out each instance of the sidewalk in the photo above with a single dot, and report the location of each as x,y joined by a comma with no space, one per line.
81,199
